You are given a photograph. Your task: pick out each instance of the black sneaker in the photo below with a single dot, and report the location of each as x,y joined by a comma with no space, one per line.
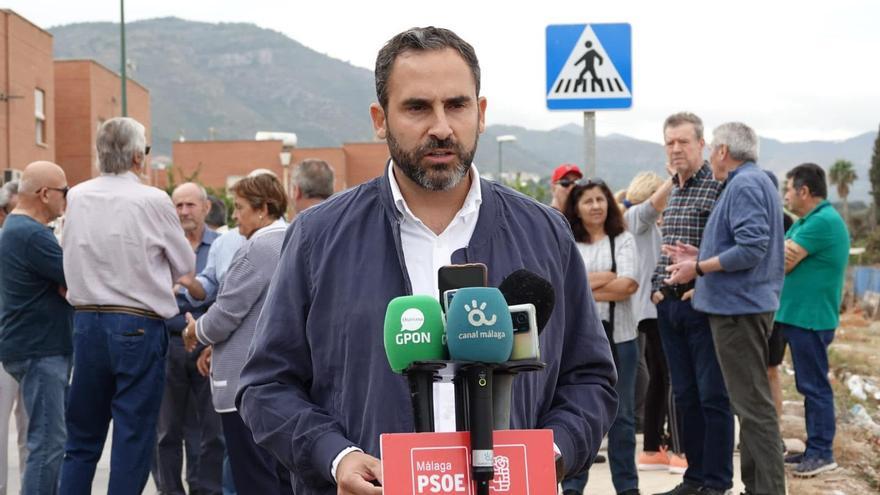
794,458
813,466
600,459
683,489
571,492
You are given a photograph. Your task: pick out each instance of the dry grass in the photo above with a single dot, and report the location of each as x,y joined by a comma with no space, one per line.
855,351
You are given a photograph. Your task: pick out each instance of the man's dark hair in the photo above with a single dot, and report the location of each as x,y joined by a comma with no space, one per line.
810,175
419,40
614,222
217,216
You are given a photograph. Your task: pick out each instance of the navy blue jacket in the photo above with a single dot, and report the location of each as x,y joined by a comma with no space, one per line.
317,379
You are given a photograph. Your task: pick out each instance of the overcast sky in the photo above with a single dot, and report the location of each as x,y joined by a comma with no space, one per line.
793,71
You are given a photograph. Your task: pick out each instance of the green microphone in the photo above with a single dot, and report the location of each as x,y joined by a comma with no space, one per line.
414,331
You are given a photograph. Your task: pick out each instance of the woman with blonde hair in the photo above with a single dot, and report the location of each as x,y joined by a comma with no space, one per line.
645,200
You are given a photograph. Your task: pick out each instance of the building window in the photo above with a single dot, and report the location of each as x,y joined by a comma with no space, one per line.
40,114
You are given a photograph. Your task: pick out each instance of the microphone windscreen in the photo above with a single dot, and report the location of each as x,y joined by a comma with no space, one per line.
479,327
523,287
413,331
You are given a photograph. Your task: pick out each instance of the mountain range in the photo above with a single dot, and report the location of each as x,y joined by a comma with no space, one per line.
230,80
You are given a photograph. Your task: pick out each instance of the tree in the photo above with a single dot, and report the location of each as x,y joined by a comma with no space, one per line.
874,174
842,175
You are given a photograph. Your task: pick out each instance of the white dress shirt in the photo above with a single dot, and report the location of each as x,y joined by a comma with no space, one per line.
424,252
123,245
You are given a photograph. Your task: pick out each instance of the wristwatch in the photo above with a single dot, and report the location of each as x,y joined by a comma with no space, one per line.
697,269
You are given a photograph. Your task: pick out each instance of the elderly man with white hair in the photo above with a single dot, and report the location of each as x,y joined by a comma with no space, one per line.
124,250
739,271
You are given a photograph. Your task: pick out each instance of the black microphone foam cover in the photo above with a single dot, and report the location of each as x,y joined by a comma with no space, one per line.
523,287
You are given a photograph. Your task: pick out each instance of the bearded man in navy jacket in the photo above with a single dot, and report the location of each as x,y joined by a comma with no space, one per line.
317,390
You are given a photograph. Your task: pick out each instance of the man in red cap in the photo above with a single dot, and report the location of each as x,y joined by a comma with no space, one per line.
561,183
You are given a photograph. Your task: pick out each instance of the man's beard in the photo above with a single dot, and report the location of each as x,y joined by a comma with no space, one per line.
444,176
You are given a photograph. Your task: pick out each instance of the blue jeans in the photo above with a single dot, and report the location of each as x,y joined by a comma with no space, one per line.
809,354
43,384
700,394
118,374
622,435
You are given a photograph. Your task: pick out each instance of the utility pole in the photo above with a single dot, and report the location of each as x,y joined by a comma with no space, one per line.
590,144
124,78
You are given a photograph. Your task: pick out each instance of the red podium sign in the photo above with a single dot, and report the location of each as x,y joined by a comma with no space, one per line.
439,463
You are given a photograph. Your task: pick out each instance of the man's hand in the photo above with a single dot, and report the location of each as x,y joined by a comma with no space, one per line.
560,470
657,297
355,473
680,252
681,273
189,333
687,295
187,279
203,363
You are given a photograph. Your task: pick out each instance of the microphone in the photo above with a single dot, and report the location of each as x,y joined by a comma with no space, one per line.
523,287
413,332
531,299
479,329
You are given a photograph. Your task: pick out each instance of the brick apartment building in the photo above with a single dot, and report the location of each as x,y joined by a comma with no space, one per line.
27,92
219,163
50,110
87,94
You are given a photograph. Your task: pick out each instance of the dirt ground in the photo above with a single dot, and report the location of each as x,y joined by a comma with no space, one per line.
855,351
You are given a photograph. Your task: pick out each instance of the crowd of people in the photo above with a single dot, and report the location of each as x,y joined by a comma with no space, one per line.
256,353
720,281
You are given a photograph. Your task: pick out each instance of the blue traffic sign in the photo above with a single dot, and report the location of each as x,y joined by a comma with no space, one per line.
589,66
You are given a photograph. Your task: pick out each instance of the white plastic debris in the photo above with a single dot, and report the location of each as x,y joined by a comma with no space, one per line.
871,389
856,387
859,416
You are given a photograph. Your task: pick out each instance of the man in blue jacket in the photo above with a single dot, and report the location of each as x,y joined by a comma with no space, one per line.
317,390
739,271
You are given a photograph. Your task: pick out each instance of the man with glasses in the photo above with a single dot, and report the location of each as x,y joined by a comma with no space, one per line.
697,382
563,179
124,250
37,323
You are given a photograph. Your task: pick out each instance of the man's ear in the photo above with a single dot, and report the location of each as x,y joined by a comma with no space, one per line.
481,105
377,114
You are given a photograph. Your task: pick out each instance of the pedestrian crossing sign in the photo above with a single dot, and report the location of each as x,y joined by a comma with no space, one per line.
589,66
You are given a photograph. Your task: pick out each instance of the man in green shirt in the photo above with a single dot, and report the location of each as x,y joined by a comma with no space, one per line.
816,254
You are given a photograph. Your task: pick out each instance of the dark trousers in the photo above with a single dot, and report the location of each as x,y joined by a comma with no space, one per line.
700,396
809,354
185,389
118,374
658,407
254,469
622,435
741,343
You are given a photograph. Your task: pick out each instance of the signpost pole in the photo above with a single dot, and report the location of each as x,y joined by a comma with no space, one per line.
590,144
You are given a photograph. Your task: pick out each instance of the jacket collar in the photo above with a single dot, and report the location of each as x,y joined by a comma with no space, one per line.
490,213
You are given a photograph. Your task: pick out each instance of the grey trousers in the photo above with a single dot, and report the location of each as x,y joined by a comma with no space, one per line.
742,350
